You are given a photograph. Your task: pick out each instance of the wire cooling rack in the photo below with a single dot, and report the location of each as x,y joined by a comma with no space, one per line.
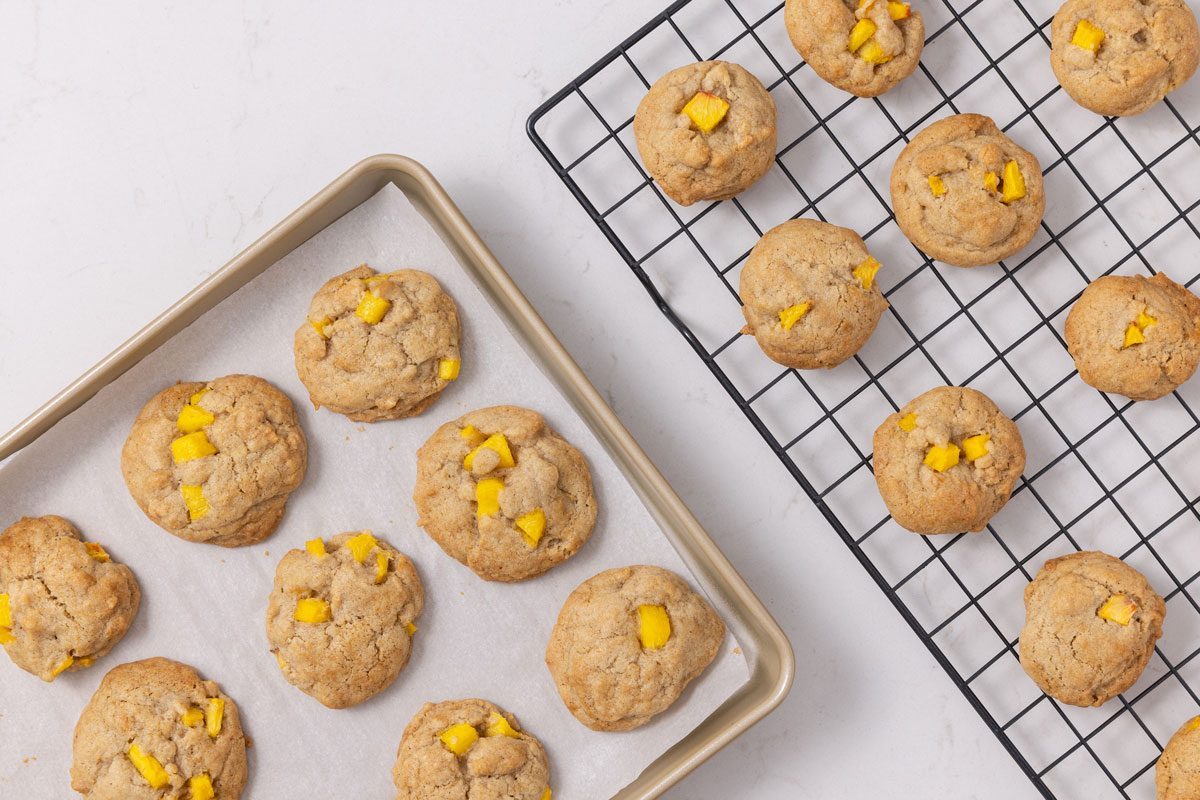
1102,473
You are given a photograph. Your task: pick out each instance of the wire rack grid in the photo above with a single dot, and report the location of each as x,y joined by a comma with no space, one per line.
1124,196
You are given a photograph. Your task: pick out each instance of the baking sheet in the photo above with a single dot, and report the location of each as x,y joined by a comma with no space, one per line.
205,605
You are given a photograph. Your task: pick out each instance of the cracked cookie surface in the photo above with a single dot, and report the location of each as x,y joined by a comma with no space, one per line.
143,703
604,675
390,368
1068,649
260,458
962,218
805,261
1149,48
367,640
68,607
1177,772
947,498
508,765
691,165
1099,323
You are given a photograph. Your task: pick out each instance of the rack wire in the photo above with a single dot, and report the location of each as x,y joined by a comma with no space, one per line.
1102,473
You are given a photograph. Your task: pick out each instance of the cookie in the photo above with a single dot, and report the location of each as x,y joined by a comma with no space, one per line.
1177,772
341,617
63,602
965,193
503,494
1091,622
215,462
627,643
706,131
1120,57
154,730
810,294
469,749
1135,336
947,461
378,345
864,48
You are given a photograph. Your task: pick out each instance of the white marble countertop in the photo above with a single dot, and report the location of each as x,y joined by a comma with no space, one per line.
142,148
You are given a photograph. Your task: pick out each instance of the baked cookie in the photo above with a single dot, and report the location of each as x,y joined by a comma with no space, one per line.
810,295
967,194
627,643
378,345
1091,622
1135,336
1120,57
1177,772
864,48
215,462
155,730
947,461
502,493
341,617
706,131
469,749
63,602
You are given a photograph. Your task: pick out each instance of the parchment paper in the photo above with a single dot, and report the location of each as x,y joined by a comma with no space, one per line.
205,605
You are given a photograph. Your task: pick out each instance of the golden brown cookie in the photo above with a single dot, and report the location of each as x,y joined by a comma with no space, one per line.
340,618
947,461
378,345
63,602
706,131
627,643
1177,772
215,462
864,48
501,492
965,193
1135,336
1120,57
810,294
1091,622
469,749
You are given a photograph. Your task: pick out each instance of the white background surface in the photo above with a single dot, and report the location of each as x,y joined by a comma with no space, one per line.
141,148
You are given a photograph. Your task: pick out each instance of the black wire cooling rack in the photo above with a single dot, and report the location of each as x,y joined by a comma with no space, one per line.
1101,474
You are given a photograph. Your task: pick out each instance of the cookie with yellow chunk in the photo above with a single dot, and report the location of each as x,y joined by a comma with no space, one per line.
947,461
378,345
469,748
864,47
341,617
155,729
64,602
1177,772
1135,336
706,131
810,294
967,194
1091,622
504,494
627,643
1121,57
215,462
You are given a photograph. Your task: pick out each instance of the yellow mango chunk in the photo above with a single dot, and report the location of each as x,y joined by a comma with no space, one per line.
1013,188
448,368
381,566
195,398
192,717
1144,320
974,447
907,423
1119,609
372,308
193,418
873,52
195,501
148,767
215,716
1193,724
321,326
6,636
279,660
532,525
97,552
5,612
654,627
792,314
495,442
1087,36
499,726
940,458
937,185
991,182
546,794
899,10
459,738
864,273
1133,335
487,496
312,610
472,434
706,111
62,666
316,547
201,787
361,546
412,629
192,446
862,31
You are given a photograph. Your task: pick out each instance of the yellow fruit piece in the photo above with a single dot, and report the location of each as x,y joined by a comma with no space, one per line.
899,10
865,5
974,447
872,52
312,610
316,547
372,308
381,566
459,738
192,446
792,314
1014,183
321,326
412,629
148,767
495,442
862,31
195,398
1193,724
907,423
448,368
5,612
192,717
86,661
361,546
546,794
499,726
201,787
97,552
62,666
654,626
937,185
991,182
864,273
196,502
706,111
6,636
1119,609
215,716
1133,335
940,458
1087,36
279,660
193,418
487,496
532,525
472,434
1144,320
